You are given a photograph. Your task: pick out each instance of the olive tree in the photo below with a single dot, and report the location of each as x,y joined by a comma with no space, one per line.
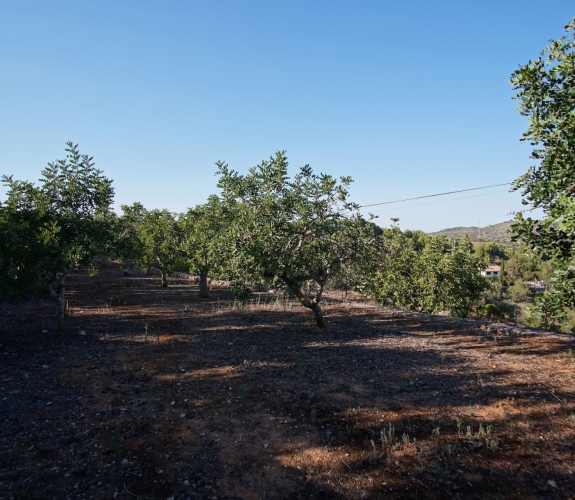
54,228
290,232
546,91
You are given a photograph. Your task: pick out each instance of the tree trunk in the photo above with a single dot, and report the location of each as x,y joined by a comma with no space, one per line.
318,315
60,295
313,305
204,283
164,278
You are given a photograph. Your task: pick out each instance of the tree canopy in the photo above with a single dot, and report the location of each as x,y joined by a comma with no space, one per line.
56,227
546,91
289,232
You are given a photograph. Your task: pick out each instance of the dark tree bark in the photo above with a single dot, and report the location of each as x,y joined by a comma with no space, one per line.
164,278
204,283
59,294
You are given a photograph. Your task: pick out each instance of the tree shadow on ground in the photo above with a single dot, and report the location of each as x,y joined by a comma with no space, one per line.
218,400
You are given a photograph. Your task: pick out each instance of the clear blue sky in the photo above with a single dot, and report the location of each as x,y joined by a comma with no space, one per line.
409,98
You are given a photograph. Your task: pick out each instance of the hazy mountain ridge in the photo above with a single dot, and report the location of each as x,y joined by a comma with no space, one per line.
496,232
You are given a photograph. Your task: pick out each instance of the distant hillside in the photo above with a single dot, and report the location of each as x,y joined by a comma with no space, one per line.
496,232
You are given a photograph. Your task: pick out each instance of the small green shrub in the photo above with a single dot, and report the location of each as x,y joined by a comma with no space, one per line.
240,292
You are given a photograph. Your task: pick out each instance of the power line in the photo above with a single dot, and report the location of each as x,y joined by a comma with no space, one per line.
443,201
432,195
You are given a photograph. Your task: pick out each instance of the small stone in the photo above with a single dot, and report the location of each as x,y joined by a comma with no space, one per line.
186,483
44,331
45,366
172,403
266,445
81,332
125,463
552,483
182,415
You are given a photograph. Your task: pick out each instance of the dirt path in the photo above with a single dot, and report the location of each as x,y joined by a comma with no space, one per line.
154,393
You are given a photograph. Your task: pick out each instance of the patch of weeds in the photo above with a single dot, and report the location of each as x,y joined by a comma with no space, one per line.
129,369
492,444
571,355
483,437
459,423
116,443
387,435
375,454
107,307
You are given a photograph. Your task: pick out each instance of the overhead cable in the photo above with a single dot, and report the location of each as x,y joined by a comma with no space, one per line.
432,195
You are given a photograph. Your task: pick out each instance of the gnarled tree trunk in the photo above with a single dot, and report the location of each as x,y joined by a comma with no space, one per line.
60,295
312,304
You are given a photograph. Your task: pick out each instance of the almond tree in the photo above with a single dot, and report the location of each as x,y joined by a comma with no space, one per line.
546,91
289,232
52,229
161,238
128,246
204,230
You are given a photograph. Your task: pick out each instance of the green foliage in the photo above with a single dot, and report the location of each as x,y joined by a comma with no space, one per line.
546,93
161,237
435,279
205,239
286,232
240,291
51,229
490,252
128,247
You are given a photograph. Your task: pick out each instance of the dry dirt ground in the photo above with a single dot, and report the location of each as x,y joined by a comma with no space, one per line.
155,393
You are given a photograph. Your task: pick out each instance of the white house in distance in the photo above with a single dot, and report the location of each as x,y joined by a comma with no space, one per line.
491,271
